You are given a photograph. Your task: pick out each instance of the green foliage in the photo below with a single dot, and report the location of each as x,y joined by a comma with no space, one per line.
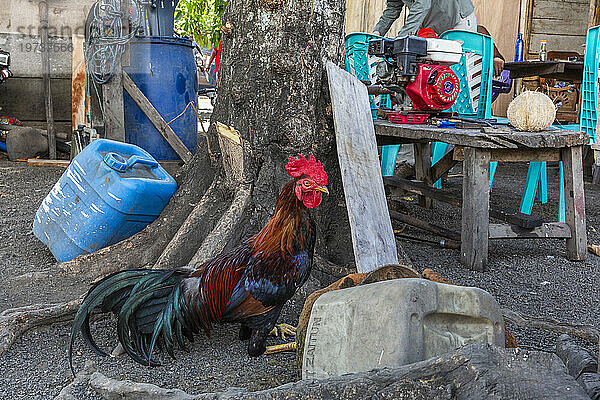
200,20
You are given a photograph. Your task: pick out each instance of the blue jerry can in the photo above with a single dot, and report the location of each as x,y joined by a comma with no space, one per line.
109,192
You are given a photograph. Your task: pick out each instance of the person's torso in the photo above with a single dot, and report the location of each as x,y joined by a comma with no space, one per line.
444,14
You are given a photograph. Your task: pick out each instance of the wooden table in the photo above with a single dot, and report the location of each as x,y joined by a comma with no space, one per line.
476,150
562,70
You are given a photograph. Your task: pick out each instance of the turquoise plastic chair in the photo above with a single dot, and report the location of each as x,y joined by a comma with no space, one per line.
536,175
362,66
475,95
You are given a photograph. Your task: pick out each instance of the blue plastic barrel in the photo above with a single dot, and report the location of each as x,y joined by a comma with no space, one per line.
109,192
165,71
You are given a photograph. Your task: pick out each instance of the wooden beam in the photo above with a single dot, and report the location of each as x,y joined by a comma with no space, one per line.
515,155
424,133
112,92
440,168
426,226
527,28
593,14
558,230
423,169
114,115
475,208
126,8
518,219
78,83
371,230
48,163
45,46
156,119
422,189
575,203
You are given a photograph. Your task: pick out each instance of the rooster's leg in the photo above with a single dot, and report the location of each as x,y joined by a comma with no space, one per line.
281,347
280,330
245,332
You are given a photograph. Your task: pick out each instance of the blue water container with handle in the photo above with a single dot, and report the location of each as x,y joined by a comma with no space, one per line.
109,192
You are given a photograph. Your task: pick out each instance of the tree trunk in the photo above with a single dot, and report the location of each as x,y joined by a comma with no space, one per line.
273,91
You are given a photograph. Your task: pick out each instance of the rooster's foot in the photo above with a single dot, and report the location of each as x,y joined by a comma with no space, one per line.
281,348
280,330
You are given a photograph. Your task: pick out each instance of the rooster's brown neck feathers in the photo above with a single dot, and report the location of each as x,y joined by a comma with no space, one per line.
289,225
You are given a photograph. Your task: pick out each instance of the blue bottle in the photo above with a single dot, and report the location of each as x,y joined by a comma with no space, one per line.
519,48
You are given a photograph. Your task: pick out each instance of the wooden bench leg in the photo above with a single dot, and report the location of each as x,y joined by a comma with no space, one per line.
423,169
475,208
574,202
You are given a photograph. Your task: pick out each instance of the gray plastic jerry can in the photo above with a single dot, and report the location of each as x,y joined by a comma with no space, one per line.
394,323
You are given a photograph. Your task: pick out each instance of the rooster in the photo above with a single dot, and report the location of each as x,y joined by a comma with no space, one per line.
248,284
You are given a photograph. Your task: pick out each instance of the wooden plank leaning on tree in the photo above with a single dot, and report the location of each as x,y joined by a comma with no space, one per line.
371,229
156,119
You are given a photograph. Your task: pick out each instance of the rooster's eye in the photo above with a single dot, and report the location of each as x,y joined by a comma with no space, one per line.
306,183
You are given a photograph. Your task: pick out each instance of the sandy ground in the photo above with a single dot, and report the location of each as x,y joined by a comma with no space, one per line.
531,277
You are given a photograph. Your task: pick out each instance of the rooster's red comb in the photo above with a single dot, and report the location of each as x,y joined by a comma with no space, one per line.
311,167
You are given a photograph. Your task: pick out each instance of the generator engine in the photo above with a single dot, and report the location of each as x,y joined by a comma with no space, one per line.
418,68
5,72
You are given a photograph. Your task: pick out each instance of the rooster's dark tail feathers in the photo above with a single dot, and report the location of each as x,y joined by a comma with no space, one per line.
149,305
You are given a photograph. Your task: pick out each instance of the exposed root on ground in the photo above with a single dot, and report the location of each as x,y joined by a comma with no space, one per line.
15,322
225,228
114,389
82,379
586,332
178,251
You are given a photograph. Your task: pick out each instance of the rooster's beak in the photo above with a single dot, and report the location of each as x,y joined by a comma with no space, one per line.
322,189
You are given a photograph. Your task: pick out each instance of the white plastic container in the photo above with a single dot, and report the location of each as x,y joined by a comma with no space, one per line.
441,51
395,323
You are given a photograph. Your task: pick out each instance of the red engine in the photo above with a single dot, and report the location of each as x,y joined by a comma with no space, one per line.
435,88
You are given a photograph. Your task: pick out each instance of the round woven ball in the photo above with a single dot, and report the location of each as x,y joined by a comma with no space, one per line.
531,111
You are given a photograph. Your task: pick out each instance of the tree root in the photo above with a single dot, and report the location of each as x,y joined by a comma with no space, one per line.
114,389
82,379
178,251
222,233
16,321
586,332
